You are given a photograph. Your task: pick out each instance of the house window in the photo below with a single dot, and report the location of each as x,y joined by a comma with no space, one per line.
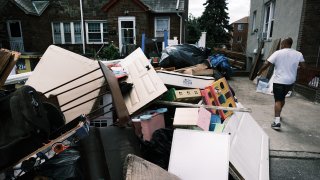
56,33
96,32
268,20
77,33
66,33
240,27
239,39
254,16
161,24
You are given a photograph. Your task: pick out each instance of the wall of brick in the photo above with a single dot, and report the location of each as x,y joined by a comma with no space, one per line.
37,30
309,38
239,46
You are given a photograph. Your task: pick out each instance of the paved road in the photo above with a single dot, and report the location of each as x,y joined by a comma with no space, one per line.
287,168
295,149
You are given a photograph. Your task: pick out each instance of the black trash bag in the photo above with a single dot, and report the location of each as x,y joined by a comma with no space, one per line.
65,165
158,149
24,125
183,55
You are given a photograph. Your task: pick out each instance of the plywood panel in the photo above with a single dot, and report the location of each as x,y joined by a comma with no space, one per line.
199,155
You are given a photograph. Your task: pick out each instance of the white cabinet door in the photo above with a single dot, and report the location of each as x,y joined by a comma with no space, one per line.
147,86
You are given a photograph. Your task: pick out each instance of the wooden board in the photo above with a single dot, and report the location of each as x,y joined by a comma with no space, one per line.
4,59
256,63
6,71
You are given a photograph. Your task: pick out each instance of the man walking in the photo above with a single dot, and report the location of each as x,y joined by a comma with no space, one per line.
286,62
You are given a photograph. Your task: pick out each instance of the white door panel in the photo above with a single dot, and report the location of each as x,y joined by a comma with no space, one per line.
146,84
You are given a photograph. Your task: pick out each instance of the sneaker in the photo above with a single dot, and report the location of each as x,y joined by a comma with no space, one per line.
275,125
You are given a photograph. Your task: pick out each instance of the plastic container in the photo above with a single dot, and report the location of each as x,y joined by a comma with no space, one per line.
148,122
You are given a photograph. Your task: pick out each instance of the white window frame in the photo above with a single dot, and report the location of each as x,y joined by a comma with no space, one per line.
101,22
62,32
254,18
126,18
155,24
267,22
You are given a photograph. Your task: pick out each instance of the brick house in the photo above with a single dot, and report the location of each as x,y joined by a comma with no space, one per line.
239,35
299,19
33,25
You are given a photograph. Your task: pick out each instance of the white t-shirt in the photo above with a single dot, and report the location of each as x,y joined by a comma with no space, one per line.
286,62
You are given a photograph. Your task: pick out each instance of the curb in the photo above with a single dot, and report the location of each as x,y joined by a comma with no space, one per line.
294,154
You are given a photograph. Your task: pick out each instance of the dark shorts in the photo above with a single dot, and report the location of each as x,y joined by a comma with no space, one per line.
281,90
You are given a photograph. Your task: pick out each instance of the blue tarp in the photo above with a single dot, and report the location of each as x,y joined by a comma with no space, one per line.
221,63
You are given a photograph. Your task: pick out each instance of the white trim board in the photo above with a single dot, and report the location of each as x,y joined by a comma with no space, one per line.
249,148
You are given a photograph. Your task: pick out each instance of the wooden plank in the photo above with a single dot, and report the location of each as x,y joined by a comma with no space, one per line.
12,62
236,63
257,61
231,54
117,98
4,59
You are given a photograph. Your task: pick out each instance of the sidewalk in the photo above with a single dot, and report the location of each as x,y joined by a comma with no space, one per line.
300,126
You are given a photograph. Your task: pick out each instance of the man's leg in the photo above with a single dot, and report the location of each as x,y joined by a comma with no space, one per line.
279,96
278,105
277,108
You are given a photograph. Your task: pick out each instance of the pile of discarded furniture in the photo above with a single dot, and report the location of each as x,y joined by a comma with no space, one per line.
127,119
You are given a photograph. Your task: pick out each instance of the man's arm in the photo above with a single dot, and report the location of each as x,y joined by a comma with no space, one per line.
264,67
302,65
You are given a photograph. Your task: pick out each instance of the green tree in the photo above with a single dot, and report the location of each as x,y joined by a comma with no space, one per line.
215,21
193,29
109,52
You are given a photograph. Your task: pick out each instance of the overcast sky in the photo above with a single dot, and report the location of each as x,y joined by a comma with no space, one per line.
237,8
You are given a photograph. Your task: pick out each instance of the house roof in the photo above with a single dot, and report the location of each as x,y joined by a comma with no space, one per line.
33,7
164,6
244,20
157,6
3,3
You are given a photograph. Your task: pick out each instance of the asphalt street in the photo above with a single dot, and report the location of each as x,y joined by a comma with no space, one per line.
295,149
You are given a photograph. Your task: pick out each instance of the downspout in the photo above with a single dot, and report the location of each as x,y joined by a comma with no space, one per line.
177,8
82,33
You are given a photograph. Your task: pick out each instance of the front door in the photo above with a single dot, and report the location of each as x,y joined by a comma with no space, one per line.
15,36
127,33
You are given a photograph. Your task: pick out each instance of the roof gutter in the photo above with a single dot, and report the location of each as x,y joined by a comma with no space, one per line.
177,8
82,29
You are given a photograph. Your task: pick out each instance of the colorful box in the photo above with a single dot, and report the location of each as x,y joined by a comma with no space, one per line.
221,95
